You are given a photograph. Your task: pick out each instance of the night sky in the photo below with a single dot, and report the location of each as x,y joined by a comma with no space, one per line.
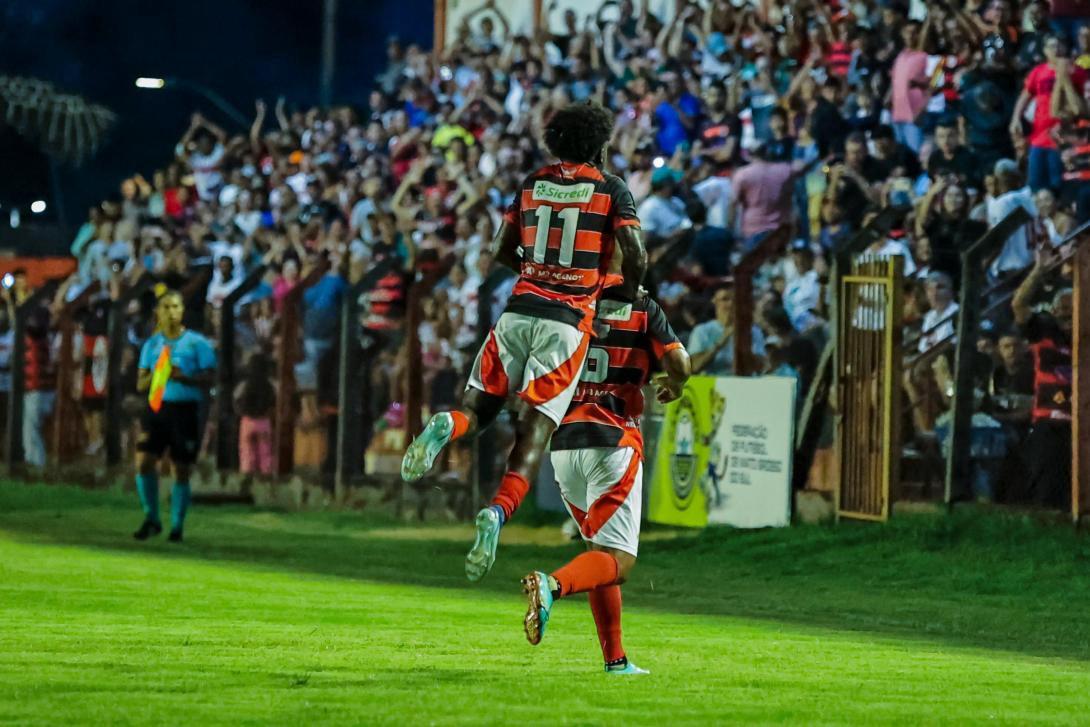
244,49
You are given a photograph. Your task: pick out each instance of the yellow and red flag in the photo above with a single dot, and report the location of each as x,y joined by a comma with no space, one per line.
160,374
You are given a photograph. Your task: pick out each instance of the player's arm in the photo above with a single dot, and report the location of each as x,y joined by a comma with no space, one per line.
205,377
143,380
505,246
629,238
202,379
672,357
634,260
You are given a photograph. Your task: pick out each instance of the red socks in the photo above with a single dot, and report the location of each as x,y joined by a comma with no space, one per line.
605,604
586,572
461,424
513,487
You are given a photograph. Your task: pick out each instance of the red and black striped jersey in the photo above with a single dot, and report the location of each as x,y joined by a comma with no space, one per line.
632,339
567,215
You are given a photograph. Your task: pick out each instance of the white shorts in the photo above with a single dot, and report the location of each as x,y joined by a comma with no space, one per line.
603,491
538,358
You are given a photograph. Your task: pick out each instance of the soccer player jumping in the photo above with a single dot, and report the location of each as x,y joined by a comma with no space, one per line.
559,234
171,420
597,455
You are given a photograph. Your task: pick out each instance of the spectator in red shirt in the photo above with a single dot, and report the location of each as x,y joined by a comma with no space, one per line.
1045,165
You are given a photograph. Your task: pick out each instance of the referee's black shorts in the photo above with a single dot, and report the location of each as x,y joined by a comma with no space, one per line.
175,427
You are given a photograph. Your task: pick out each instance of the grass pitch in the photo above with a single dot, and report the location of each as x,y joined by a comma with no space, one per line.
304,618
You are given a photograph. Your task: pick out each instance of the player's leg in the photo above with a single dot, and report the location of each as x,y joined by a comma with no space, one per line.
531,439
553,354
611,525
150,447
180,495
184,446
487,390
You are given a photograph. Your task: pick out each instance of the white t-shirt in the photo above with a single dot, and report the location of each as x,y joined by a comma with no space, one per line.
802,295
1015,254
660,216
716,194
206,171
946,329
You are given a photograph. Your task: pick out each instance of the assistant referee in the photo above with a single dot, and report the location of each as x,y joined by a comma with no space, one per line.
176,425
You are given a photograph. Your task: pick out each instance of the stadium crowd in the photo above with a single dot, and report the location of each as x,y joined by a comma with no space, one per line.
732,121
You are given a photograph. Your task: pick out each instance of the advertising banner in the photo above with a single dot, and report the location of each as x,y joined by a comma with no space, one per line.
723,456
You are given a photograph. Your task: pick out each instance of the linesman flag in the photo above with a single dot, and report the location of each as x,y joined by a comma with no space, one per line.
159,377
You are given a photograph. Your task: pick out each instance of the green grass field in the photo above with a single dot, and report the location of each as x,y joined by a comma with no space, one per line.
304,618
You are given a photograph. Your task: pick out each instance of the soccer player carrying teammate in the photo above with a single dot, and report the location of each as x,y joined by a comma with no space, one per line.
559,234
597,455
176,368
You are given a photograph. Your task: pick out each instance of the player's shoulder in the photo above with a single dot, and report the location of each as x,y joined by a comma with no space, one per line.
612,184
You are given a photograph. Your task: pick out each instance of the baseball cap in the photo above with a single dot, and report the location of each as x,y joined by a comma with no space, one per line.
1006,166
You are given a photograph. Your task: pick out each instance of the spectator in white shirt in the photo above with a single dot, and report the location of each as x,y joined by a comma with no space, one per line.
802,295
662,214
938,322
1015,255
206,159
225,279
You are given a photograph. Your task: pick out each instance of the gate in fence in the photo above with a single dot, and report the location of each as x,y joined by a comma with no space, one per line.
868,366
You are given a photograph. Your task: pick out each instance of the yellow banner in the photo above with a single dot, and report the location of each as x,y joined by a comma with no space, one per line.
681,457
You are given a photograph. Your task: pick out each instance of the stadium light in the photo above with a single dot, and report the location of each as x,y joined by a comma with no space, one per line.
37,206
211,96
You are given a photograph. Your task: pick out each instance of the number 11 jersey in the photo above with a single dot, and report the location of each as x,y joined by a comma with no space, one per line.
568,215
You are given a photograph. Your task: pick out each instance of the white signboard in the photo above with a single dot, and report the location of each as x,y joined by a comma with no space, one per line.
748,479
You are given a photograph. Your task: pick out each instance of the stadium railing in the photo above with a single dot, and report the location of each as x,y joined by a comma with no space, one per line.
743,301
13,450
115,420
67,435
227,367
287,355
357,355
969,316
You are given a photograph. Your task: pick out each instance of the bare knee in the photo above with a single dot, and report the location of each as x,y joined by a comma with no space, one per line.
146,464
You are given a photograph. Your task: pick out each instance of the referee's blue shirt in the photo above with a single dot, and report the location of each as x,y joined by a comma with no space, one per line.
190,354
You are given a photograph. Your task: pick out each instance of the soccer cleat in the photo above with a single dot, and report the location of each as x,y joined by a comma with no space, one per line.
482,555
148,529
540,603
626,670
175,535
421,454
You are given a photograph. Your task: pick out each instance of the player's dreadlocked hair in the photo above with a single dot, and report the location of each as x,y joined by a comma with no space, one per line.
579,132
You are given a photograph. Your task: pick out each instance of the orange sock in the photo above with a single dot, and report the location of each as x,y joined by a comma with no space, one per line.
586,572
605,604
461,424
513,487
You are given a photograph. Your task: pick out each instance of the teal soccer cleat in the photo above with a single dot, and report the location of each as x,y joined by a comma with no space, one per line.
540,603
628,669
482,555
421,454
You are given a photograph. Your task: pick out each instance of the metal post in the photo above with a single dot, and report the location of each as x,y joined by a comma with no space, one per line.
115,336
743,298
1080,385
329,52
958,459
227,431
352,387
